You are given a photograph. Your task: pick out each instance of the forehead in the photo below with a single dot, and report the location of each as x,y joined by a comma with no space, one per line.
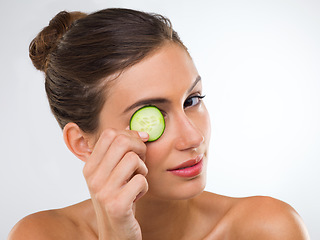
171,66
168,72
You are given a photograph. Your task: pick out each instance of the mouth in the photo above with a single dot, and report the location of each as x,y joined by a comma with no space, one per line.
190,168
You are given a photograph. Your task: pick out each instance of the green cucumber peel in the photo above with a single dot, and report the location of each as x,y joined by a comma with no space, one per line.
148,119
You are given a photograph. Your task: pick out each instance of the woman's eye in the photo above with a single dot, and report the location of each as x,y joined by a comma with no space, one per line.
192,101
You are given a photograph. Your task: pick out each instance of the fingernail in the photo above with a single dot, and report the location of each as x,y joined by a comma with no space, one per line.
144,135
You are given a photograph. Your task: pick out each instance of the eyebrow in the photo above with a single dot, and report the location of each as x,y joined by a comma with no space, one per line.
154,101
198,79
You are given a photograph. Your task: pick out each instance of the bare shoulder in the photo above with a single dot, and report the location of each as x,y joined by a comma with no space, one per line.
266,218
258,217
49,225
41,225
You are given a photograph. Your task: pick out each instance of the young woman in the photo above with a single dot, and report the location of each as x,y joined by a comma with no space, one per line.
100,69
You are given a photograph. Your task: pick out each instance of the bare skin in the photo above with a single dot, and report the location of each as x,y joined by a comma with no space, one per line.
133,193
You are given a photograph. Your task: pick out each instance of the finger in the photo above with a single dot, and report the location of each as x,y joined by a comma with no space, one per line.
134,189
129,166
100,149
103,144
121,145
143,135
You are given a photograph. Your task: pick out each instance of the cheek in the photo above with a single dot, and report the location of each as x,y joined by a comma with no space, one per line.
201,121
156,154
205,124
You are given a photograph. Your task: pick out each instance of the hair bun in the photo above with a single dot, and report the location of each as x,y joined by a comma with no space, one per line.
47,39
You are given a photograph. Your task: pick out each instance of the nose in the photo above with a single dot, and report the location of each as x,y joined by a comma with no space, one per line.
188,134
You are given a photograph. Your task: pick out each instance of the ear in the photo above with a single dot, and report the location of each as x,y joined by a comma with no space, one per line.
77,141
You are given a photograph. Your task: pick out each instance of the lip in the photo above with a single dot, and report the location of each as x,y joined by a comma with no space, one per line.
190,168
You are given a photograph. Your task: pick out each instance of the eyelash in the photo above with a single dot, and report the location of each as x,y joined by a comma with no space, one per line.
197,97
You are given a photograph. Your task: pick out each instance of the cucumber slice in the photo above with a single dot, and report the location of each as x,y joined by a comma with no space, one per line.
148,119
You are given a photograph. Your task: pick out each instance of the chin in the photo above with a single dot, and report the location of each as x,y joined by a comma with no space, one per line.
179,189
191,189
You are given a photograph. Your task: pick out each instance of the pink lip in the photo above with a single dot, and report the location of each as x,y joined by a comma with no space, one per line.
190,168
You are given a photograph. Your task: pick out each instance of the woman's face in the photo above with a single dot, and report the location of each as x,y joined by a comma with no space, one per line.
169,80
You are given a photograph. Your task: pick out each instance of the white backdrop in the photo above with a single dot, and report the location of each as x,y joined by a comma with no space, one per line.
260,64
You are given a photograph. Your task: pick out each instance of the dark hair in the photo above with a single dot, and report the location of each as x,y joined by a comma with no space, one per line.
78,52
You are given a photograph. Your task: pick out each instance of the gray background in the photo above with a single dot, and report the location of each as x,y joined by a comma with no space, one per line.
260,64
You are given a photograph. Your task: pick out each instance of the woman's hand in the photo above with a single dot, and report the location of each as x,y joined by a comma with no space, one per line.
115,175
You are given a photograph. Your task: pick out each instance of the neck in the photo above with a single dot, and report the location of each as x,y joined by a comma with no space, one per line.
162,219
